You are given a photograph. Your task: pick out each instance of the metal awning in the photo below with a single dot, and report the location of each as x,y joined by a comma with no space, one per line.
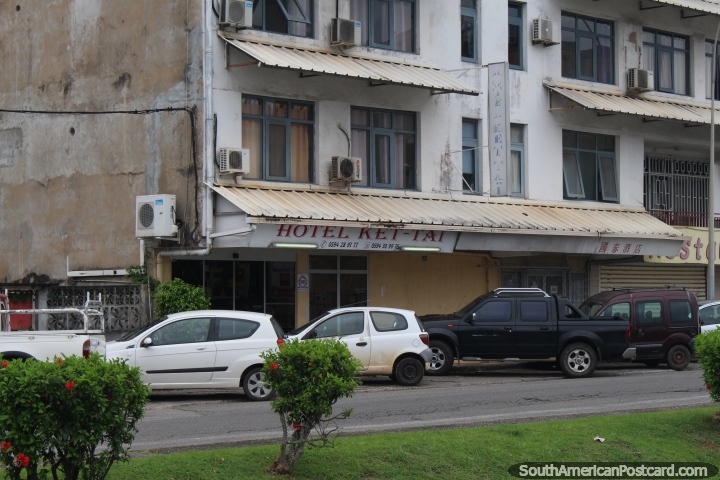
706,6
538,221
689,112
330,62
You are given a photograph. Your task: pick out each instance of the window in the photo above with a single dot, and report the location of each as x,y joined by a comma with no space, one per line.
589,167
494,311
337,282
676,190
534,311
190,330
235,328
649,314
587,48
667,55
468,30
293,17
279,135
516,176
470,156
388,24
708,71
515,35
680,312
385,140
388,322
351,323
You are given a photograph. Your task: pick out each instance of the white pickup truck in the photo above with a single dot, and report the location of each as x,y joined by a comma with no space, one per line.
84,332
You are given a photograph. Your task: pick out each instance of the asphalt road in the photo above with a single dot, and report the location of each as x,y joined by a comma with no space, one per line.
473,395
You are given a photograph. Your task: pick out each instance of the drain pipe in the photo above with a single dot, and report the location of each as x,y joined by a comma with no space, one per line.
209,150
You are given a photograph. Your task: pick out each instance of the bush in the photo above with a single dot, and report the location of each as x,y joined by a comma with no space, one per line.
179,296
308,377
707,349
73,416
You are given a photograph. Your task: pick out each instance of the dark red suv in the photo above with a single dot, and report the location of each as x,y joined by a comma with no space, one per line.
663,322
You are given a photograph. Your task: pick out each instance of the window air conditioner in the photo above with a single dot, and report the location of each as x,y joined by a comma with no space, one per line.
345,32
542,31
234,160
155,216
236,13
346,169
640,80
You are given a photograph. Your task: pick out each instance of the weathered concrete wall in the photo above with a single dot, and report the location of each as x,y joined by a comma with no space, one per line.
71,165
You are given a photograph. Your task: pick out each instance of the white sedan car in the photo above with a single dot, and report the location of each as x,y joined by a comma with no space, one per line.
387,341
202,349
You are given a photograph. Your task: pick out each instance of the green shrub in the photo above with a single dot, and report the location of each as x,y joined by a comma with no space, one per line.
73,416
707,349
308,377
179,296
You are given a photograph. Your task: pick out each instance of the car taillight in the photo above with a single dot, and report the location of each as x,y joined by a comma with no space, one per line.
86,348
425,338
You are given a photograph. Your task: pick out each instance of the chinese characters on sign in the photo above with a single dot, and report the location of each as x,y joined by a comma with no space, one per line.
620,248
498,125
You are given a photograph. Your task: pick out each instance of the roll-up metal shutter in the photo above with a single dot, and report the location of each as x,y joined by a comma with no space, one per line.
691,277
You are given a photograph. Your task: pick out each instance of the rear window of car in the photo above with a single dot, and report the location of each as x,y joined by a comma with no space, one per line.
680,312
533,311
235,328
388,321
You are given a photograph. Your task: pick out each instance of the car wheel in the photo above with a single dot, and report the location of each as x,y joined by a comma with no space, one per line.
578,360
678,357
442,358
409,371
255,386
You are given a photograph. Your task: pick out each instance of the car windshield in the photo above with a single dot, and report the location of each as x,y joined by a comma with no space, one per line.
467,308
134,333
299,329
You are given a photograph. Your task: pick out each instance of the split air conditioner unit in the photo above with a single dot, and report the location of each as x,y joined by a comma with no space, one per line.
234,160
542,31
640,80
347,33
236,13
346,170
155,216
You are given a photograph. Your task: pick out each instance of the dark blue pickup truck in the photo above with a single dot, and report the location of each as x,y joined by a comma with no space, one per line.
524,323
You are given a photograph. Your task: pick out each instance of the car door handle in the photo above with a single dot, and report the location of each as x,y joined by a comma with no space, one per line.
361,344
200,348
508,329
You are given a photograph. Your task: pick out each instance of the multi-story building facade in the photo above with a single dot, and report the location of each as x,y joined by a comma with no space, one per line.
310,154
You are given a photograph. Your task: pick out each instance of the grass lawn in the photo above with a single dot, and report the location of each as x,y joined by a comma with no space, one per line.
688,435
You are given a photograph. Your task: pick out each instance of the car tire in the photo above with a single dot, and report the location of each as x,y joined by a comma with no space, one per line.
409,371
442,358
678,357
578,360
255,386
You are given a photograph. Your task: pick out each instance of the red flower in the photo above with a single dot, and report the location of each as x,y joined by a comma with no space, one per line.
23,460
59,361
69,386
708,387
281,343
4,364
274,366
5,445
296,426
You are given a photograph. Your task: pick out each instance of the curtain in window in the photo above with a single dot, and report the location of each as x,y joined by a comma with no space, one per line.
680,69
300,152
360,148
252,140
403,26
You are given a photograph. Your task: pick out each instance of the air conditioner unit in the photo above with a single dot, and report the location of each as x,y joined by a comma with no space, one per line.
236,13
542,31
234,160
155,216
640,80
345,32
346,169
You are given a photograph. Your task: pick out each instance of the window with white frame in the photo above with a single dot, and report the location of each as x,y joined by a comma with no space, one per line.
279,135
468,30
388,24
515,35
293,17
516,169
471,171
589,167
587,49
386,141
708,70
668,56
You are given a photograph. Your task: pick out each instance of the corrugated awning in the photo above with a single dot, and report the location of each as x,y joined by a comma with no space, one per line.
474,215
378,71
706,6
620,103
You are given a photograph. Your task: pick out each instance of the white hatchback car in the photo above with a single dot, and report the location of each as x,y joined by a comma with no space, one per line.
709,315
387,341
202,349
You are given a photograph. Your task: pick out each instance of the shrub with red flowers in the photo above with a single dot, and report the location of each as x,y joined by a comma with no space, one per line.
707,349
308,378
71,418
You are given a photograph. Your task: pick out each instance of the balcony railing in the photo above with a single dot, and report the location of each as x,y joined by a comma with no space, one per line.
683,219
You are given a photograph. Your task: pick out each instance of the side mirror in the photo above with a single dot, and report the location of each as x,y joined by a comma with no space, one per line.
147,342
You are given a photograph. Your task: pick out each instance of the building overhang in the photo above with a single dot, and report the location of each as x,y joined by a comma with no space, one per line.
377,71
698,6
365,219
